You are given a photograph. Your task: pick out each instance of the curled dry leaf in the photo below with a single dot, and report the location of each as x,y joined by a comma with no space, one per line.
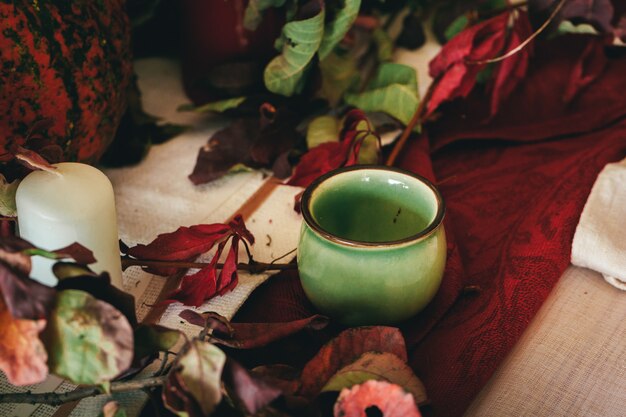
382,398
381,367
248,389
455,70
24,297
250,335
22,355
98,285
193,387
89,341
285,377
345,349
185,244
510,72
332,155
32,160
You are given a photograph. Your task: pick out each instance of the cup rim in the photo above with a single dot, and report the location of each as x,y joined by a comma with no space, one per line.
423,234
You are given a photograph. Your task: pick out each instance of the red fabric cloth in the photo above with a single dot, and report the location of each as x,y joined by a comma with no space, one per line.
514,187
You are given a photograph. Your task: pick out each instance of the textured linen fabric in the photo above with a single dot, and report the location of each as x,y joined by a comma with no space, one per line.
571,361
600,239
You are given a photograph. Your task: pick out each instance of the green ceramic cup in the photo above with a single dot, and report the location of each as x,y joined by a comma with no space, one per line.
372,246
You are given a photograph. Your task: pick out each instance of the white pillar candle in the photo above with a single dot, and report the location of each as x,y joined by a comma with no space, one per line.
73,204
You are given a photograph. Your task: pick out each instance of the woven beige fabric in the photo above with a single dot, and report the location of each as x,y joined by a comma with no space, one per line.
571,361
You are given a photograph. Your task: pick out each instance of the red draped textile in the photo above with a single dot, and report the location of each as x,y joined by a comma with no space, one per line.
514,186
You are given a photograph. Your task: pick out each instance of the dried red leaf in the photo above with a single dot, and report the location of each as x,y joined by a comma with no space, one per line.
78,252
345,349
195,288
22,355
285,377
250,335
24,297
455,68
389,400
248,389
252,141
332,155
32,160
509,73
185,243
589,66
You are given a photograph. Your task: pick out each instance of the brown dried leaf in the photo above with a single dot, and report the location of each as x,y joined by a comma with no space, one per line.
22,355
345,349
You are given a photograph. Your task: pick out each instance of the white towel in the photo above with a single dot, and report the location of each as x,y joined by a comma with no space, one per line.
600,238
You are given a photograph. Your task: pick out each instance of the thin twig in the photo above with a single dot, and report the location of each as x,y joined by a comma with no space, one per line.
283,256
255,268
523,44
56,399
417,118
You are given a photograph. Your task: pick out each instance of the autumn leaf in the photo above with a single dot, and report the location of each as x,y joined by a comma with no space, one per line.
332,155
89,341
345,349
78,277
186,244
25,298
381,367
510,72
285,377
249,390
33,161
375,397
253,141
7,197
456,66
22,355
250,335
193,387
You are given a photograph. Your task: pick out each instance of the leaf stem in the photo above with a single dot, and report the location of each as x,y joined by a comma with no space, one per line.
417,118
522,45
56,399
255,268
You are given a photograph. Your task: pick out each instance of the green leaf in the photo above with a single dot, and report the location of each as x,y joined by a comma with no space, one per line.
581,29
384,45
322,129
285,73
456,27
339,74
216,106
193,386
89,342
152,338
370,149
381,367
7,197
336,29
393,91
253,16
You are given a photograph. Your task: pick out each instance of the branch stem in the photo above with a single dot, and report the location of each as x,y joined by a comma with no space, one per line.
255,268
56,399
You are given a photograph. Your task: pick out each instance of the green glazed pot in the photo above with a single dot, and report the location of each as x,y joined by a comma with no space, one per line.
372,246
